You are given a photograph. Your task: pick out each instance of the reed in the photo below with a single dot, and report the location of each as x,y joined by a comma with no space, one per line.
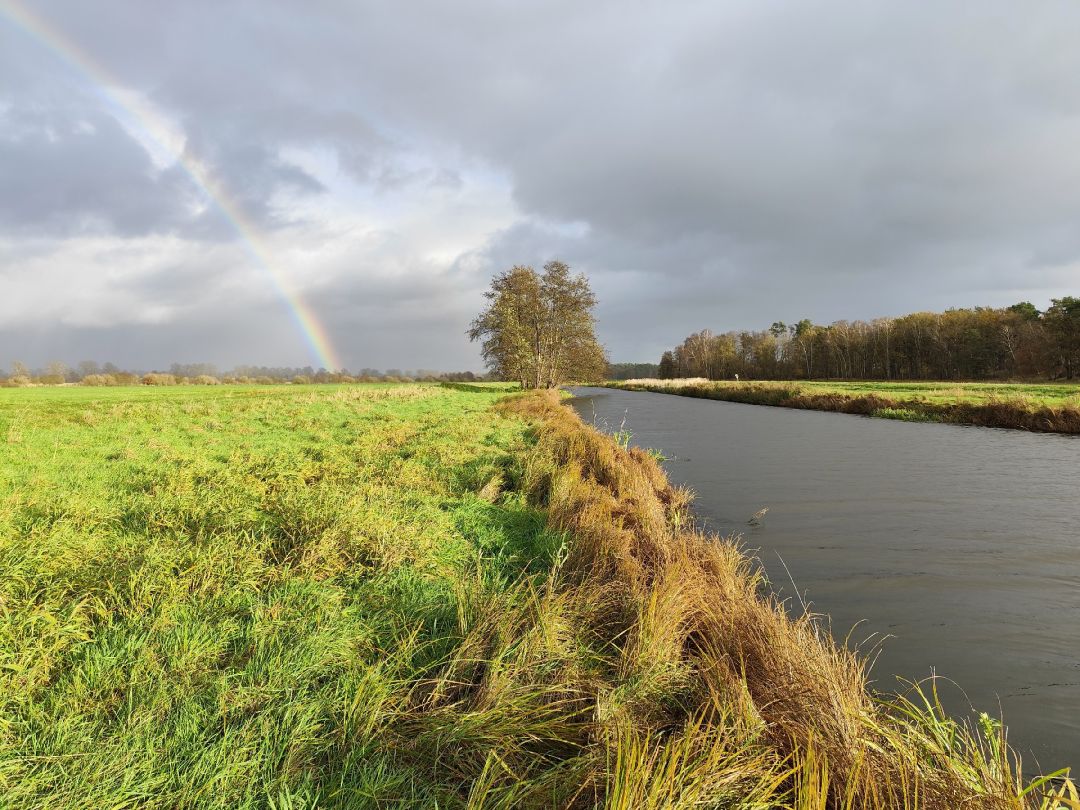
706,658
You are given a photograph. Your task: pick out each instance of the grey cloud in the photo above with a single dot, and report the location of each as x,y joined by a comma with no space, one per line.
708,164
205,337
68,173
253,174
77,171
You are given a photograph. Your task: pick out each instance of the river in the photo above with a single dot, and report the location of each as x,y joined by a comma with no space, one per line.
956,547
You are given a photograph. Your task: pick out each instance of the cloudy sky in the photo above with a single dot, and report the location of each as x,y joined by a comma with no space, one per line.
172,174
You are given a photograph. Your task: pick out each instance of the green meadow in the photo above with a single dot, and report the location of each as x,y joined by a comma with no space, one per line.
1053,395
416,596
207,595
947,393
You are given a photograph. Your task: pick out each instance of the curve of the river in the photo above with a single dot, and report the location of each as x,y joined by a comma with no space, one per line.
960,544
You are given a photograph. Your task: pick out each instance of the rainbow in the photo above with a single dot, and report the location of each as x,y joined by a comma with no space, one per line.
163,134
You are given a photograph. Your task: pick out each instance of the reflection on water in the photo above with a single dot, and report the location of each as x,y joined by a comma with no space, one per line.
960,544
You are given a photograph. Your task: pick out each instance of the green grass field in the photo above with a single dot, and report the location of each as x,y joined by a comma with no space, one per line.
944,393
414,596
206,594
1051,394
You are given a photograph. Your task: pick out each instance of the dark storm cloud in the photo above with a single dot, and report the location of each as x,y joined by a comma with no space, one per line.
708,164
811,146
67,173
71,171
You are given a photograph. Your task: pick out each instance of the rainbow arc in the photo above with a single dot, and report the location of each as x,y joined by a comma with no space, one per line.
160,131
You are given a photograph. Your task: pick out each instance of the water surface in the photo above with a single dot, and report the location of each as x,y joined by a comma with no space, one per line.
962,544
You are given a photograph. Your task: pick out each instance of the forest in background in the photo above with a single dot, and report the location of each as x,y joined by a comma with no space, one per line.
983,343
631,371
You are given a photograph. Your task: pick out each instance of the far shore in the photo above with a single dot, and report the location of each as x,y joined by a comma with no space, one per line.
1047,408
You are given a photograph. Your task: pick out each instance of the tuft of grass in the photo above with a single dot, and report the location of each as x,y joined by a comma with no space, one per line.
903,415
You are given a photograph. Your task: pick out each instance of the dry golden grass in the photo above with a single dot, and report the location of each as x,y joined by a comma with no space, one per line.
702,690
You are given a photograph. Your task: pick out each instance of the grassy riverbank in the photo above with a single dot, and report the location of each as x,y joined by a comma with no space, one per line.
411,596
1048,407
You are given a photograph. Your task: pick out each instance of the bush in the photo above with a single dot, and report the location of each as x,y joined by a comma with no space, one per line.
155,378
205,379
99,380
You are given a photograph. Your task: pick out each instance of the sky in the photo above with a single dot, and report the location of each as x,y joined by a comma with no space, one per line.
335,183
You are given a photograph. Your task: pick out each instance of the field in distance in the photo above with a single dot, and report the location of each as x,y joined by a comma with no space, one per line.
1053,394
945,392
1053,407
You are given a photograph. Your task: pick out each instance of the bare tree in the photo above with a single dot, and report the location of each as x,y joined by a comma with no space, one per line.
55,373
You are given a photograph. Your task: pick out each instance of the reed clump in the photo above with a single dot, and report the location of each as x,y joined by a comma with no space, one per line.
703,691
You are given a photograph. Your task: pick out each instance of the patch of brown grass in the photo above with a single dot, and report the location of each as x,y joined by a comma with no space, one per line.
663,674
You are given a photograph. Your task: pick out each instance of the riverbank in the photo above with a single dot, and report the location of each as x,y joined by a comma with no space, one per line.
1043,408
413,596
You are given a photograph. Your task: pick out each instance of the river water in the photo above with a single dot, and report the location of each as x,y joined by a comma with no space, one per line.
958,546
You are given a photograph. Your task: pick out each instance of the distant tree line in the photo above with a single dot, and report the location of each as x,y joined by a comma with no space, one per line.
983,343
89,372
631,371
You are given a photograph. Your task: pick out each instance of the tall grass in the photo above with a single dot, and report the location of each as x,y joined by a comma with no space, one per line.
227,598
402,597
707,667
